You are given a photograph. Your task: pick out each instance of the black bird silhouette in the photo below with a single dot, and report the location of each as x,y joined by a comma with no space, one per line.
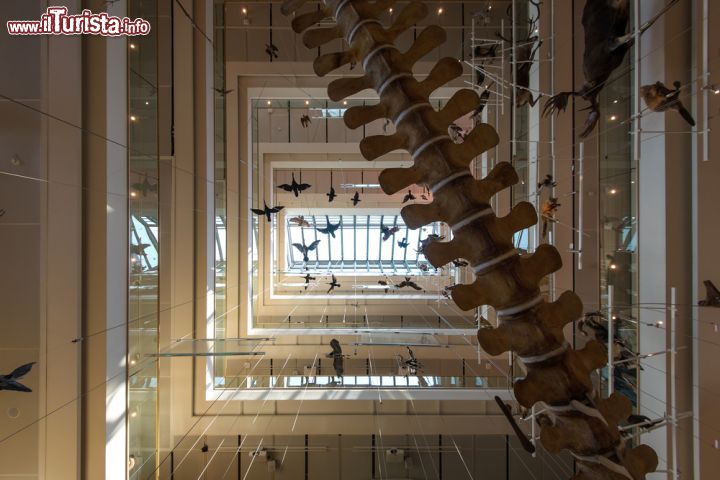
408,197
659,98
408,283
412,362
307,278
547,182
294,186
305,249
271,50
388,232
460,263
333,284
222,92
356,198
606,44
337,356
329,227
267,211
305,120
712,295
403,243
331,194
145,186
138,249
10,381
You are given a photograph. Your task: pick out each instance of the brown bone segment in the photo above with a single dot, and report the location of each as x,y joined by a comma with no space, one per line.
530,329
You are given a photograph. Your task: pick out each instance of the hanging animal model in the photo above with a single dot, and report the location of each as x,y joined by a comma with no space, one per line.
606,43
558,379
659,98
525,50
294,186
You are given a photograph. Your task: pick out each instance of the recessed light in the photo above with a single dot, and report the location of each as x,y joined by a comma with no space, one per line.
440,11
307,102
132,46
344,102
613,118
390,10
613,191
133,118
244,11
269,102
615,101
613,266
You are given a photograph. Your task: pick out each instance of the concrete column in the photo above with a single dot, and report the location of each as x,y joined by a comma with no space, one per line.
105,259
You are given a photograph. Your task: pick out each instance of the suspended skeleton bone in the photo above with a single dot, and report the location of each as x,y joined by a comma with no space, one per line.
558,375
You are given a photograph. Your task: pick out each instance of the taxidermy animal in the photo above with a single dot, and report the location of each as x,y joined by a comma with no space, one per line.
408,197
356,199
329,229
606,43
659,98
525,51
547,182
334,283
548,210
10,381
712,295
267,211
331,194
294,187
557,375
300,221
139,249
305,249
337,356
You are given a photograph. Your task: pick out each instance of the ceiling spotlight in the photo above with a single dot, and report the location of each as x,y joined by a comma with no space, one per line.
613,191
390,11
132,46
615,101
440,11
307,102
133,118
344,102
147,103
133,194
613,118
269,102
244,11
613,266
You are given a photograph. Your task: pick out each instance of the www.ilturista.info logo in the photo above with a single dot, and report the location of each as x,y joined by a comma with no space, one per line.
57,22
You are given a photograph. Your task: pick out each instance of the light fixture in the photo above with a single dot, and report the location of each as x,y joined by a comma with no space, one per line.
133,194
390,10
615,101
613,118
613,191
132,46
307,102
133,118
440,11
133,413
244,11
344,102
613,266
713,88
147,103
269,102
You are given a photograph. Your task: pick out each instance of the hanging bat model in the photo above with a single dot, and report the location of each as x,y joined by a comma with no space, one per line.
558,378
294,187
267,211
606,43
305,249
305,120
659,98
408,283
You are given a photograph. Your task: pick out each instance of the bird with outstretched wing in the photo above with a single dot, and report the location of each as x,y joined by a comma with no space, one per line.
305,249
294,186
267,211
10,381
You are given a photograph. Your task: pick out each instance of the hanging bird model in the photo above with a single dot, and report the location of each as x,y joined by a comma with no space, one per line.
271,50
305,120
330,229
408,283
333,284
547,182
145,186
388,232
408,197
548,210
331,194
356,199
712,295
300,221
11,380
307,279
403,243
267,211
294,186
305,249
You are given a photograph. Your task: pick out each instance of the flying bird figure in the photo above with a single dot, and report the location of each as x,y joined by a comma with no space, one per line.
548,210
388,232
305,120
145,186
403,243
385,284
408,197
307,279
10,381
712,295
337,356
606,44
305,249
271,50
300,221
408,283
294,186
659,98
547,182
138,249
525,50
330,229
222,92
356,199
267,211
331,194
334,283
